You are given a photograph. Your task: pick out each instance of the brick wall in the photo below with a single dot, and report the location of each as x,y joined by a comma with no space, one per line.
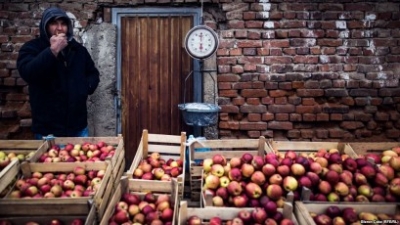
310,70
298,70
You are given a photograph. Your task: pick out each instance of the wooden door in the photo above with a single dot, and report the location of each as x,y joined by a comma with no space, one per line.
154,66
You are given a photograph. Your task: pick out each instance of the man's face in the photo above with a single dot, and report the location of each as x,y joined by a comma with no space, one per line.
56,27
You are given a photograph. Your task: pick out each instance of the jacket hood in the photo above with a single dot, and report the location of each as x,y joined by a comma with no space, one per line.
50,14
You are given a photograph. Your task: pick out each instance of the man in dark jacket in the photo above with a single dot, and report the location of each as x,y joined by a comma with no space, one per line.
61,74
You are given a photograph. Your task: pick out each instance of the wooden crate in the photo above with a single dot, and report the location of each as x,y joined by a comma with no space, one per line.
363,148
224,213
20,146
61,206
129,185
89,219
169,146
309,147
228,148
8,174
303,210
117,141
24,147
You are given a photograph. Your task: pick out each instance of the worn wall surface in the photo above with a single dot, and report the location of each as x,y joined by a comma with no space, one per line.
286,69
100,40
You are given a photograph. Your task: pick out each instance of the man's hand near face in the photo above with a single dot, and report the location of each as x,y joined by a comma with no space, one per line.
58,42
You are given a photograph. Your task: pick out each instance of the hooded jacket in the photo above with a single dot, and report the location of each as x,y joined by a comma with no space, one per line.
58,86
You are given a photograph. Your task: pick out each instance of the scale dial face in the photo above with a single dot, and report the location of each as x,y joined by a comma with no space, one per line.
201,42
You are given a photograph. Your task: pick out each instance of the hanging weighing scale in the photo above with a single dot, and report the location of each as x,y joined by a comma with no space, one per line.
201,42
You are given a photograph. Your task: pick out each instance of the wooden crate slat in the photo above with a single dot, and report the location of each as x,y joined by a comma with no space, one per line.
164,138
8,174
310,147
28,168
165,149
363,148
20,144
226,154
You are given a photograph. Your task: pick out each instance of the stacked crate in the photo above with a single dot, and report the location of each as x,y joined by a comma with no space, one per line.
128,185
91,207
168,147
203,149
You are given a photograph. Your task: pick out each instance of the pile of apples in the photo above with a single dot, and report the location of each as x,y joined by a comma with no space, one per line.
75,184
372,177
244,217
149,209
5,158
153,167
246,181
52,222
253,181
348,215
86,152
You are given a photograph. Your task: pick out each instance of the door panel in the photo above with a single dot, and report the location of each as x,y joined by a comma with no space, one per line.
154,67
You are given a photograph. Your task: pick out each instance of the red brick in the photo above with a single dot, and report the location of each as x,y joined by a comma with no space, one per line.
293,134
393,133
268,116
295,117
277,93
16,97
224,69
263,51
253,134
240,33
224,85
276,44
226,60
235,52
253,101
254,117
253,125
336,133
267,101
224,116
282,116
222,52
322,117
249,43
229,108
310,92
250,67
309,117
307,133
281,125
228,93
238,101
237,69
254,24
281,108
281,101
336,117
253,108
321,133
249,15
232,125
308,101
228,78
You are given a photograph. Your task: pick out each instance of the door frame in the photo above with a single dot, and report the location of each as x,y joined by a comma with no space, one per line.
118,13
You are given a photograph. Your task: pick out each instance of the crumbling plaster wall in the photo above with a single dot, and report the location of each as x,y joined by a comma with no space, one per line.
100,40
